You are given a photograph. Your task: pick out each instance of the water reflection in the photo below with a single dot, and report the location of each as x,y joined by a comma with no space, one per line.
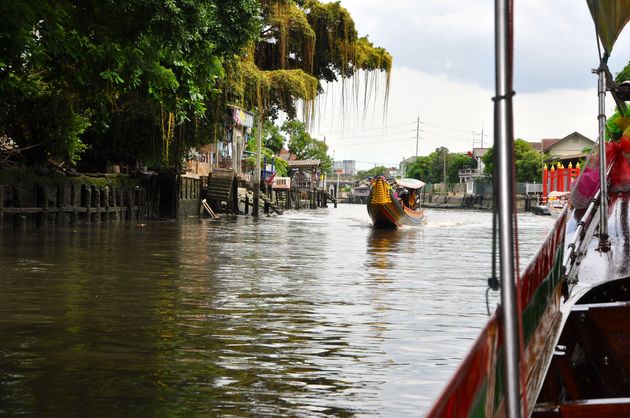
308,314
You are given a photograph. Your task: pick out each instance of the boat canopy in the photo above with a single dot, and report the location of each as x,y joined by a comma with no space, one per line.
410,183
610,16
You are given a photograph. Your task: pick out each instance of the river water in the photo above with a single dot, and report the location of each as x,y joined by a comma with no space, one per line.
312,313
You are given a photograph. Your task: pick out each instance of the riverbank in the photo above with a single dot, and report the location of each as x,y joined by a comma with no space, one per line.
50,197
523,203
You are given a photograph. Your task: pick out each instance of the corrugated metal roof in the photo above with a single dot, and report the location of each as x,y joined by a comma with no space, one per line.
303,163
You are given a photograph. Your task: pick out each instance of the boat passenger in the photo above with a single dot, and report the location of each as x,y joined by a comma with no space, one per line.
412,199
404,197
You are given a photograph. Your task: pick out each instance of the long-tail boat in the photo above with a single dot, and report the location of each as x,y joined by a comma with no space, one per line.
558,345
392,204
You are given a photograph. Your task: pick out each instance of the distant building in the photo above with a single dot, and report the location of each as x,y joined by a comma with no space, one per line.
346,167
403,166
360,192
468,174
569,149
349,167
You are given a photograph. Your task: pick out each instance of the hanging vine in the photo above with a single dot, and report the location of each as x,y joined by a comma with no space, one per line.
168,132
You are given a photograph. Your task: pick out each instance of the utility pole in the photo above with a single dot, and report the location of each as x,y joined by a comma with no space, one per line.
417,134
444,152
257,173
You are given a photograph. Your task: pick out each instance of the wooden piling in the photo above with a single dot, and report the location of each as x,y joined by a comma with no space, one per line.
1,205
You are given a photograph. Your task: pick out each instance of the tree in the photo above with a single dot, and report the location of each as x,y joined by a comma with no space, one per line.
139,74
147,79
372,172
420,169
457,162
305,147
430,168
528,162
272,138
303,43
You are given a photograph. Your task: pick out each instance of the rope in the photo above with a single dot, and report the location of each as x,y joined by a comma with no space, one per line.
493,282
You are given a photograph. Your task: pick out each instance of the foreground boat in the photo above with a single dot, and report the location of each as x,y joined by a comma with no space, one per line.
390,208
557,346
556,201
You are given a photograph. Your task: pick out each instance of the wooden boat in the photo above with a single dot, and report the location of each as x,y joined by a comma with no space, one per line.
556,201
392,205
559,343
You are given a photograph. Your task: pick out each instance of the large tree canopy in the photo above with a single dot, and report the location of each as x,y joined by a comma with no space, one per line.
303,43
132,70
146,79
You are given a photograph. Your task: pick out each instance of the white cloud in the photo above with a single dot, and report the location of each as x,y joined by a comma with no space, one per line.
444,72
554,40
452,114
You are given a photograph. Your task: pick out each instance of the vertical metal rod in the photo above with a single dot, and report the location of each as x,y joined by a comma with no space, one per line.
417,134
504,145
604,244
255,208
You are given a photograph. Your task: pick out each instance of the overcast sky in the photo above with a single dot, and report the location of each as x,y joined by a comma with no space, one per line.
444,74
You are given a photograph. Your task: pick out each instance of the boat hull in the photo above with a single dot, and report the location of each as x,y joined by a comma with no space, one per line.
478,389
387,212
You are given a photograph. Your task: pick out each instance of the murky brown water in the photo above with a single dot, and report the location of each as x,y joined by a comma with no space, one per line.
312,313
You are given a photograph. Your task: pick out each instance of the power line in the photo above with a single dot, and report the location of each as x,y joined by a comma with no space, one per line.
448,136
370,136
414,123
453,129
370,143
365,130
445,145
375,163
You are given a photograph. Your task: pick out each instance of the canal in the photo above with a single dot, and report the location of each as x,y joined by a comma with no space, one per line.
311,313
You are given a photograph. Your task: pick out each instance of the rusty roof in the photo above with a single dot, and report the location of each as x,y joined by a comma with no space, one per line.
303,163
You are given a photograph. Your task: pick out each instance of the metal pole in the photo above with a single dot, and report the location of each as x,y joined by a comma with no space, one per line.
504,144
255,209
417,134
337,189
444,176
604,242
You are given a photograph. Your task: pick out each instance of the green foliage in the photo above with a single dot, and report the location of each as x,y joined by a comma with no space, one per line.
272,138
124,65
528,162
624,74
303,44
46,126
420,169
372,172
305,147
272,143
430,168
147,79
458,162
281,167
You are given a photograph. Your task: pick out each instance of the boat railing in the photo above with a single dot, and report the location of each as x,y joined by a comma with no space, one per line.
583,234
581,238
